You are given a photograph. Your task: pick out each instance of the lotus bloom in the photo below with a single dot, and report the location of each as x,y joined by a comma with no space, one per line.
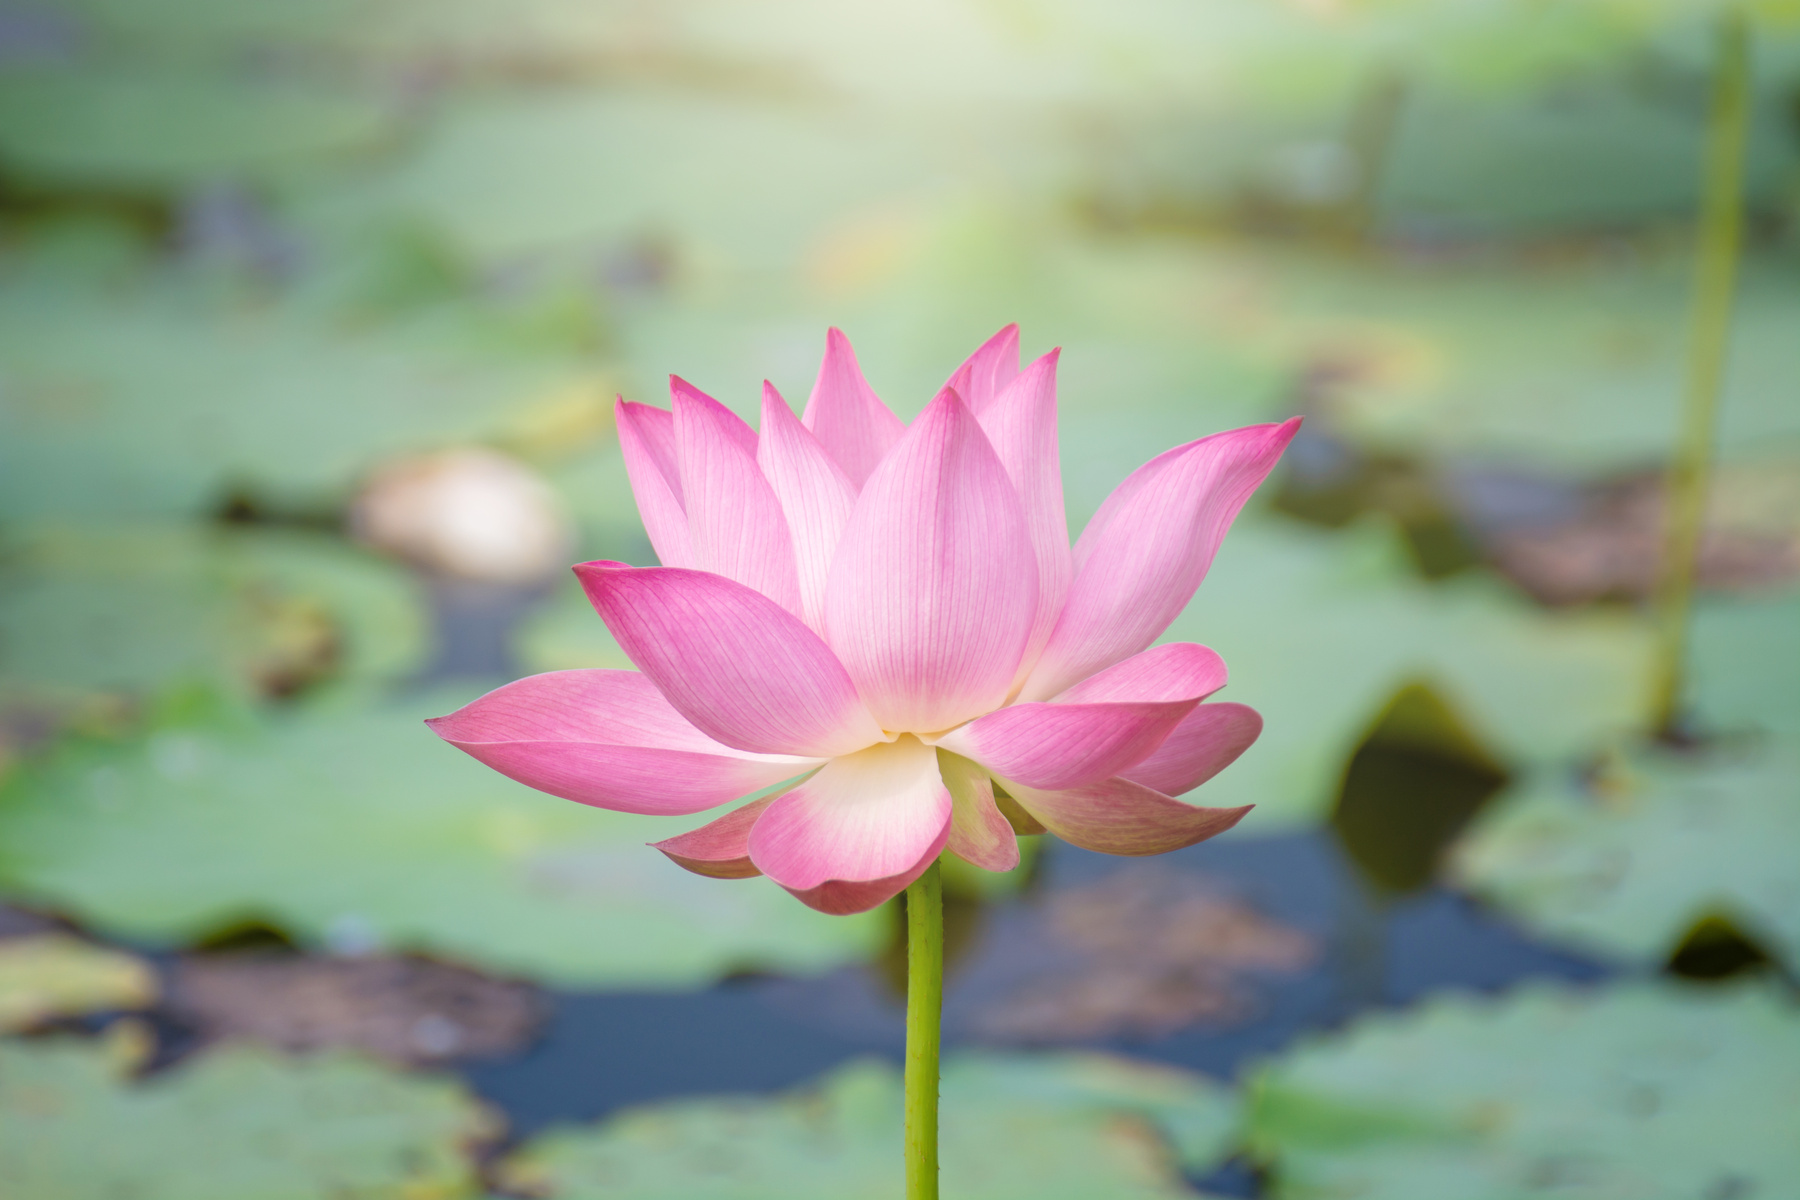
888,619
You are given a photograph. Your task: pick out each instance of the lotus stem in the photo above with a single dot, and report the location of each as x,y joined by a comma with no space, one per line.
1721,223
924,1016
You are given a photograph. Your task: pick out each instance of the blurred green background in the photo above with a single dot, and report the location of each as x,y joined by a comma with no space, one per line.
311,319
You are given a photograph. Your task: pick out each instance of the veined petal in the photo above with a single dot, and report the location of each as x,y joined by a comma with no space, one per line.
1020,423
735,523
647,442
1057,746
721,848
840,898
865,816
931,596
814,493
988,371
1117,816
1141,557
846,415
1176,671
1207,740
741,668
610,739
979,833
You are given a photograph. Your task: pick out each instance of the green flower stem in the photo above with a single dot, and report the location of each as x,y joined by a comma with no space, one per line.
1721,221
924,1013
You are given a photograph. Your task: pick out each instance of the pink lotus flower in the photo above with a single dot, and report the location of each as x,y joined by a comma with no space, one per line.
891,617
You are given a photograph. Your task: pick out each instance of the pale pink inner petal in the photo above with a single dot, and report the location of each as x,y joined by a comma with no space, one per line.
647,443
978,832
1117,816
1208,740
737,665
932,593
814,493
846,415
735,522
1141,557
721,848
988,371
863,817
1065,745
1176,671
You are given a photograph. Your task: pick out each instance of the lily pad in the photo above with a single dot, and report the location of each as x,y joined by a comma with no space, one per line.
1744,656
1626,865
237,1124
54,975
1070,1125
357,829
1657,1092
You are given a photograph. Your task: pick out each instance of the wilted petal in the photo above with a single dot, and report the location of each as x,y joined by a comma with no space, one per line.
988,371
1141,557
1020,423
846,415
1058,746
721,848
1176,671
814,493
1117,816
647,442
734,520
610,739
1208,740
737,665
864,817
979,833
931,595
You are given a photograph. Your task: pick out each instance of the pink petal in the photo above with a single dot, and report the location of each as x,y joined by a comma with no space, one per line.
734,520
1176,671
1057,746
737,665
846,415
1141,557
721,848
864,817
1208,740
814,493
931,595
606,738
1116,816
647,441
1020,423
841,899
988,371
979,833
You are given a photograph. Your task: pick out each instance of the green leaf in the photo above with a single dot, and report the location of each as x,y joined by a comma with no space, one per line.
1653,1091
357,828
54,975
234,1124
1071,1125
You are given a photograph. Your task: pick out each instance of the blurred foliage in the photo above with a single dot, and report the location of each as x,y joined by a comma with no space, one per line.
51,975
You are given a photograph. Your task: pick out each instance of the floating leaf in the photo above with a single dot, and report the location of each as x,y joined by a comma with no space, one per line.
357,829
1626,865
1744,658
1643,1090
1071,1125
237,1124
54,975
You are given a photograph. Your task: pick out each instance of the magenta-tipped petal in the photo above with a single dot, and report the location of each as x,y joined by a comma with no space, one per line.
846,415
934,586
647,443
1057,746
979,832
840,898
987,372
1117,816
1176,671
814,493
1141,557
606,738
721,848
741,668
864,817
735,523
1207,740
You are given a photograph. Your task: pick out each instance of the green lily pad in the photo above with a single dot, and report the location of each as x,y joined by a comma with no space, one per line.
54,975
1743,659
1642,1090
1626,866
235,1124
1071,1125
357,829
